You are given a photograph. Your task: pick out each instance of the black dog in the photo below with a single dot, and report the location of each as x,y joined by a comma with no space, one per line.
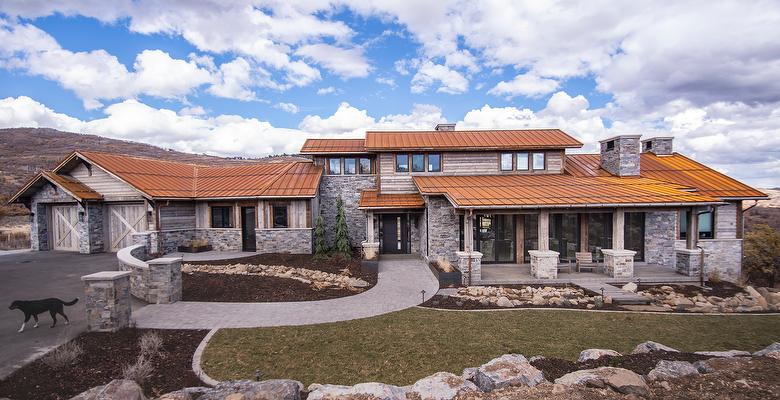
31,308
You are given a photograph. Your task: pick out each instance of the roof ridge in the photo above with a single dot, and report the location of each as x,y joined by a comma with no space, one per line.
140,157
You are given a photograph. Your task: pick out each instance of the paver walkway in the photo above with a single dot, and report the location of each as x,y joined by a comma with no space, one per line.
618,295
399,285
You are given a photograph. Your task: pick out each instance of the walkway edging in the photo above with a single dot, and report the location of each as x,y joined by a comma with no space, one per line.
197,358
597,311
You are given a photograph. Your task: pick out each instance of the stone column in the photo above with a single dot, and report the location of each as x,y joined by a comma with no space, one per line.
107,300
369,226
689,261
470,274
618,228
468,231
164,280
692,236
544,264
619,263
544,230
371,245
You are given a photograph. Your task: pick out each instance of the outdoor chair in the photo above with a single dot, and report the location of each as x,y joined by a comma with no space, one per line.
565,265
585,261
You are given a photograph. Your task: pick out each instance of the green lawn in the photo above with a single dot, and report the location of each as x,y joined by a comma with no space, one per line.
402,347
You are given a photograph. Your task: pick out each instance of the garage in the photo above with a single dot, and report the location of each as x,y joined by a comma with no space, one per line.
65,236
124,220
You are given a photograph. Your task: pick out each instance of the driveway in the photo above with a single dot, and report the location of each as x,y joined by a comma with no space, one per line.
38,275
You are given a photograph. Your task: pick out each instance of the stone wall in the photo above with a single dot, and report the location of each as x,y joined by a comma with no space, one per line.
725,255
348,188
415,227
95,233
623,159
107,300
39,228
89,228
226,239
660,145
156,281
660,235
443,229
172,239
291,240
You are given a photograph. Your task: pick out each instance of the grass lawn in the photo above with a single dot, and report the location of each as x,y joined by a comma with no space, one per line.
404,346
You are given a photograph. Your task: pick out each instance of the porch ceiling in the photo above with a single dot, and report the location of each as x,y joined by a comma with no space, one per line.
372,199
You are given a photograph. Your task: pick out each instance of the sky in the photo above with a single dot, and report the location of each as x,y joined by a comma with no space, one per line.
253,78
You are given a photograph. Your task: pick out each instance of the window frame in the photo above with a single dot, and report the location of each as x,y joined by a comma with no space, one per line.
411,163
286,208
501,162
230,218
354,165
527,161
330,170
683,220
438,164
360,166
397,166
533,160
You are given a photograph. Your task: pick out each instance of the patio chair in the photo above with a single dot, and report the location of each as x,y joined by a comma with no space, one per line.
585,261
565,264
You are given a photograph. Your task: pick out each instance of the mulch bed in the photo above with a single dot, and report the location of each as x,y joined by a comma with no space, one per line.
104,356
451,303
204,286
642,364
720,289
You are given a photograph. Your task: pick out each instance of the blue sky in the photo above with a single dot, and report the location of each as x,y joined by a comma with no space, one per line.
257,77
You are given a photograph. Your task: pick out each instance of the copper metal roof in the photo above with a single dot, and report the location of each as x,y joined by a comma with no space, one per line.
372,199
531,191
509,139
78,190
674,168
333,146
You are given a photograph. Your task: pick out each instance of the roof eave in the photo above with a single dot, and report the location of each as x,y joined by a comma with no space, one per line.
592,205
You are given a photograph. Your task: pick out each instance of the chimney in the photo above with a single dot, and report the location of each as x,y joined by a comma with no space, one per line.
445,127
660,146
620,155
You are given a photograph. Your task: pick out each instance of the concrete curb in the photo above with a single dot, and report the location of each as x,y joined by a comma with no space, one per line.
599,311
198,356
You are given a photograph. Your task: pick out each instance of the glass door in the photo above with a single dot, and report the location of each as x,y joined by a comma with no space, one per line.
494,237
634,231
530,235
565,234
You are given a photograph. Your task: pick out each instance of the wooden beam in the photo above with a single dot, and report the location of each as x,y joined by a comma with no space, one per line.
544,230
618,223
584,232
520,238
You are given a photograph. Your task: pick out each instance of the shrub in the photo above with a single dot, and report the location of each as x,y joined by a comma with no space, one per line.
762,253
342,233
63,356
714,276
444,264
369,253
139,371
150,344
320,248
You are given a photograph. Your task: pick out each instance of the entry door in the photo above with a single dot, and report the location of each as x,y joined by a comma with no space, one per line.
495,237
64,220
395,234
248,241
124,220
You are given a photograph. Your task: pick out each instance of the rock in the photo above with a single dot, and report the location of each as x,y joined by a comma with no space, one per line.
536,358
468,373
769,349
773,354
629,287
703,367
729,353
672,369
118,389
760,300
282,389
650,346
682,301
507,370
618,379
504,302
594,354
89,394
189,393
371,390
441,386
773,298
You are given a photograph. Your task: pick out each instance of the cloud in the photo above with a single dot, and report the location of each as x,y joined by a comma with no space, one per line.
234,80
346,119
287,107
429,74
328,90
529,85
386,81
347,63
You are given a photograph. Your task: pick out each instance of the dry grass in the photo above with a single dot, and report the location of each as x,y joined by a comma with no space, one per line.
150,344
139,371
63,356
444,265
15,237
369,253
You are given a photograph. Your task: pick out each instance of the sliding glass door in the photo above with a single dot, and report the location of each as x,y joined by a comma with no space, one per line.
494,237
565,234
599,234
634,230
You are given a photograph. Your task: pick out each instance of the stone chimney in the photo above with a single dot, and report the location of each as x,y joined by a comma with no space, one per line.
620,155
445,127
660,146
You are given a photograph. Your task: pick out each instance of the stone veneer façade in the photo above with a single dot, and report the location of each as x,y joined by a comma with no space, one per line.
286,240
348,187
89,229
443,229
660,234
623,159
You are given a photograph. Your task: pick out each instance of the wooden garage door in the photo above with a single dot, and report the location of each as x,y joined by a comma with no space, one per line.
123,221
64,234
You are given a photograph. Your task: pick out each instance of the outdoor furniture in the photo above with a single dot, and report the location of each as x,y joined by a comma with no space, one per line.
585,261
565,264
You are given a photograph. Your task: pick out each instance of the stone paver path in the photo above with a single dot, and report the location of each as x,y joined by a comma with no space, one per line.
399,285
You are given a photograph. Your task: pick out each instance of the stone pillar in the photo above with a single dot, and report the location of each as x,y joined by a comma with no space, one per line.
618,228
164,280
619,263
544,263
468,231
369,227
689,261
107,300
544,230
473,273
692,236
370,250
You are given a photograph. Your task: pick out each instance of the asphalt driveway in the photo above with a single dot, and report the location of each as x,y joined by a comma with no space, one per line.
38,275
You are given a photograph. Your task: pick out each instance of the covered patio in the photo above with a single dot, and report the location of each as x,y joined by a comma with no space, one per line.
506,274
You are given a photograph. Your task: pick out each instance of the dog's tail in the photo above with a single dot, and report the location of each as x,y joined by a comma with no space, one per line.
70,303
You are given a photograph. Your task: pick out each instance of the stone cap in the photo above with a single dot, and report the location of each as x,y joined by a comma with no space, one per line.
657,137
472,254
164,260
370,244
690,251
105,276
621,252
620,137
544,253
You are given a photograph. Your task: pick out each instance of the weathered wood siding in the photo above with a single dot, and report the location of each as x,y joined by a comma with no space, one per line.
726,221
99,180
469,163
298,213
177,215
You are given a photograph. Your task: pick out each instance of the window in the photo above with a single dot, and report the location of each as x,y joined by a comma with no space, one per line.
401,163
365,165
539,162
280,216
611,145
706,225
221,217
648,146
349,166
506,161
334,166
418,162
434,162
522,161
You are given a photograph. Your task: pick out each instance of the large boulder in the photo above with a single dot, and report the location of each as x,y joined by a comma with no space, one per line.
442,386
507,370
630,287
650,346
618,379
672,369
728,353
774,347
760,300
595,354
189,393
89,394
278,389
371,390
118,389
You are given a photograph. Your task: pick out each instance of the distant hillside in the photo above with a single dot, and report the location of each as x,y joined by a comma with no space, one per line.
24,151
766,212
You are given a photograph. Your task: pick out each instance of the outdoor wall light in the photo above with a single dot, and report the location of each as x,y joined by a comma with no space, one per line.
81,216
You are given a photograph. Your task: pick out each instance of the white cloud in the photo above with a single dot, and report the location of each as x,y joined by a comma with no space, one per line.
429,74
234,80
346,119
529,85
287,107
386,81
327,90
347,63
24,112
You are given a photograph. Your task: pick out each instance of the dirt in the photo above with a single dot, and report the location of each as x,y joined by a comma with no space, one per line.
555,368
452,303
720,289
104,356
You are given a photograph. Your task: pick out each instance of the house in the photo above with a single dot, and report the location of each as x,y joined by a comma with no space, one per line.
508,204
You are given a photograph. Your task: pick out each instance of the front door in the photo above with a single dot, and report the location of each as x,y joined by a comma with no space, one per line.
495,237
248,241
395,234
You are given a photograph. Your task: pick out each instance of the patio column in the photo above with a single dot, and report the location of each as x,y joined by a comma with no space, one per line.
692,236
371,245
618,228
544,230
618,262
469,261
544,262
369,226
689,260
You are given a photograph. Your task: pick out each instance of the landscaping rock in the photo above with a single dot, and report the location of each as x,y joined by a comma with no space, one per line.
281,389
618,379
89,394
729,353
371,390
504,302
769,349
759,299
703,367
672,369
189,393
507,370
441,386
118,389
650,346
594,354
630,287
469,373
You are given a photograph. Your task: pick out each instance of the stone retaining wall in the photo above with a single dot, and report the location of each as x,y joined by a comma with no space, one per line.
290,240
723,255
107,300
153,281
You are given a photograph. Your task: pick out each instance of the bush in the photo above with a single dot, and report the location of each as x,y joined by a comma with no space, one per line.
714,276
320,248
342,246
139,371
444,264
150,344
63,356
762,253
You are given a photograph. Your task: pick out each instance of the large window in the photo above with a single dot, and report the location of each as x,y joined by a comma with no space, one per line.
434,162
506,161
706,225
221,217
522,161
350,168
401,163
280,216
634,234
418,162
565,234
599,233
539,162
334,166
365,166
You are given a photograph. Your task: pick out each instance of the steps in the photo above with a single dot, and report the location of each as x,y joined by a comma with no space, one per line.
618,295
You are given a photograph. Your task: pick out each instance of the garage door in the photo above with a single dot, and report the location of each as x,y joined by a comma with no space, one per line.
123,221
64,234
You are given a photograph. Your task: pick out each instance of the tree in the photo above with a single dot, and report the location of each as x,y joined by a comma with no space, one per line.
762,253
342,234
320,248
